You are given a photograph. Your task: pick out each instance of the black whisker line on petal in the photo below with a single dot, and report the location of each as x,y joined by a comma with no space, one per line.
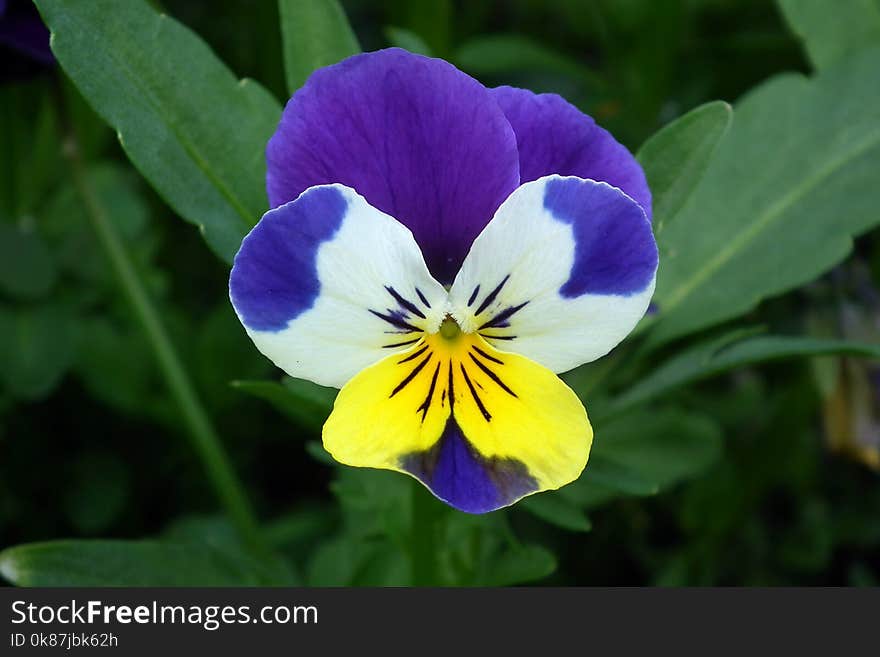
491,296
474,296
488,356
427,403
395,320
500,320
409,377
492,375
422,297
486,415
450,388
406,304
413,355
400,344
498,337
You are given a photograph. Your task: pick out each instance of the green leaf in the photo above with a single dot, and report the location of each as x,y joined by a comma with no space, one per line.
676,157
300,528
662,447
370,490
557,510
189,126
218,533
36,348
518,565
29,142
588,493
832,33
792,182
621,478
221,333
316,450
307,404
316,33
642,454
27,270
125,563
502,54
732,350
350,562
408,40
38,169
432,20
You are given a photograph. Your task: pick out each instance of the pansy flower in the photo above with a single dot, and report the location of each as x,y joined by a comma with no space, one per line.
439,251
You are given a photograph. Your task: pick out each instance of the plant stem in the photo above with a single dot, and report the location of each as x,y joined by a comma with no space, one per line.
423,551
204,439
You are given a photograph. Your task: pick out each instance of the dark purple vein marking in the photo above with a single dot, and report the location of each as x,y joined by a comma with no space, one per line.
427,403
486,415
474,296
500,320
413,355
400,344
498,337
450,388
422,297
406,304
395,320
492,375
409,377
488,356
491,296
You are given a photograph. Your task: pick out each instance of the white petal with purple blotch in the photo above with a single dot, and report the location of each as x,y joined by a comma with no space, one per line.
327,285
561,274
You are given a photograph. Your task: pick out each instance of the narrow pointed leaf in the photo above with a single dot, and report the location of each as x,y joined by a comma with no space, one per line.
126,563
728,352
194,130
796,174
676,157
315,33
305,403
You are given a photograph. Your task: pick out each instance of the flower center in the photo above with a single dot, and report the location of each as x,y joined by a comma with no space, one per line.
449,329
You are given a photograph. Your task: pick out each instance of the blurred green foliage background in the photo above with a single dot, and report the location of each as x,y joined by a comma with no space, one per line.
757,473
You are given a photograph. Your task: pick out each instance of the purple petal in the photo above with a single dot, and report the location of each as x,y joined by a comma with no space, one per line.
419,139
553,136
454,471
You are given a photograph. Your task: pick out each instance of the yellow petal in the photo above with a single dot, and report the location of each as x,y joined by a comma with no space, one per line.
390,409
479,427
